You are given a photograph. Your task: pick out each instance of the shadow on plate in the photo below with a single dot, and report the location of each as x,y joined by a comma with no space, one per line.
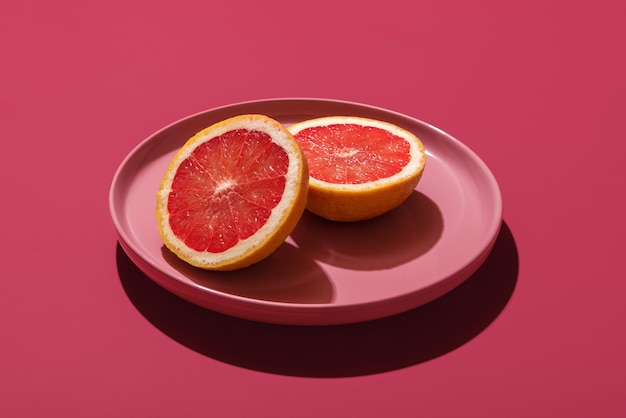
392,239
287,275
358,349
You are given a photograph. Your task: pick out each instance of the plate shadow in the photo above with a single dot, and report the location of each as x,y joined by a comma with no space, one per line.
357,349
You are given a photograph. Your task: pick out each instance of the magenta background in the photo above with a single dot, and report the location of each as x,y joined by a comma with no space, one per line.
535,88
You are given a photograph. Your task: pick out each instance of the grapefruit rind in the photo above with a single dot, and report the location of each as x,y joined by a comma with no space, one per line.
357,202
282,220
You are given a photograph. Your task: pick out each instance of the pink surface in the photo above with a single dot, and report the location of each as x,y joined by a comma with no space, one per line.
535,89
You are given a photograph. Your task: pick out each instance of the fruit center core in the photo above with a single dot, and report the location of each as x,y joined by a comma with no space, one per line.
345,153
224,185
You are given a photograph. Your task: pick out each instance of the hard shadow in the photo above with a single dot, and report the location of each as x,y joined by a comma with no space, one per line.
384,242
287,275
358,349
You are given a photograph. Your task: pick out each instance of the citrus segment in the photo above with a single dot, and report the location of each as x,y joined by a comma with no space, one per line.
359,168
232,193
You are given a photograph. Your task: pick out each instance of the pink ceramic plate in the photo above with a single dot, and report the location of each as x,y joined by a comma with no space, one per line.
325,273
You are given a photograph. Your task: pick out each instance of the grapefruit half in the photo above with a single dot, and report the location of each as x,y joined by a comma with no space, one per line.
359,168
233,193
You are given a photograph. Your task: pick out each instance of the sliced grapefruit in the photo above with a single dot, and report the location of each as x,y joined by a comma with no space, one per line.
233,193
359,168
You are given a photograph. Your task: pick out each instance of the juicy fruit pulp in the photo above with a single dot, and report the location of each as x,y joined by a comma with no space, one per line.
222,195
233,193
353,154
